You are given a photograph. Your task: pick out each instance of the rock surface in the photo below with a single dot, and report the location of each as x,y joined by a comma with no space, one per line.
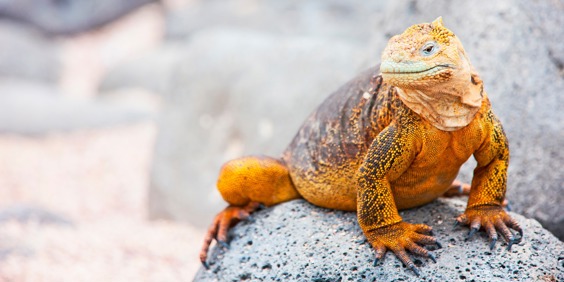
297,241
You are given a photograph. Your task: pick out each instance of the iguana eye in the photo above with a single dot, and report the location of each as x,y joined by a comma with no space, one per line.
429,48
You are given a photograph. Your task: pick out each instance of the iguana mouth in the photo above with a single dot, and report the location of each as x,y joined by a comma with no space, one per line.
393,68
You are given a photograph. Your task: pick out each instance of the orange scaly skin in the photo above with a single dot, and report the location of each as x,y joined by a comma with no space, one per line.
393,138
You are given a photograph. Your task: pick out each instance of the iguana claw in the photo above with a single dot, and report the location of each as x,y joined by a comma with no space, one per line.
223,244
471,234
509,244
415,270
492,244
432,257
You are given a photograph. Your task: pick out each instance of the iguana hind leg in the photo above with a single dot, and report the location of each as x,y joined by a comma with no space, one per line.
458,189
245,183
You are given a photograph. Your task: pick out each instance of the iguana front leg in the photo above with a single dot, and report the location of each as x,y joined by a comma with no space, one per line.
389,156
484,209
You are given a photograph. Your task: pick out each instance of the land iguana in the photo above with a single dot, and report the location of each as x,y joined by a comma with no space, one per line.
393,138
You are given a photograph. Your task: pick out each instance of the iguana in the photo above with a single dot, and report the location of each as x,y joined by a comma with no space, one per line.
393,138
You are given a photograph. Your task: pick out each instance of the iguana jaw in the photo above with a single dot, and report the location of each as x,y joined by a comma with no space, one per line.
406,73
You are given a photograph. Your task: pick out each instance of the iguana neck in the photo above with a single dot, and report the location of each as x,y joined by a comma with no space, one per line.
448,108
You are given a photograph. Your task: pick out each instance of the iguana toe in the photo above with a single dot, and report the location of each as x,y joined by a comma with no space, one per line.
402,238
494,220
220,226
471,233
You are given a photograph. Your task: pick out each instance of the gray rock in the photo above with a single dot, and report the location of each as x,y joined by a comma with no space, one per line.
24,213
515,49
297,241
237,92
24,53
152,71
350,23
67,16
34,108
351,20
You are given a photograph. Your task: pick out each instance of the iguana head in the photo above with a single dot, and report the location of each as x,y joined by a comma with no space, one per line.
433,76
424,55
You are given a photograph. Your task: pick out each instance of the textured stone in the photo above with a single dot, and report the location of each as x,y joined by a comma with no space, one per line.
297,241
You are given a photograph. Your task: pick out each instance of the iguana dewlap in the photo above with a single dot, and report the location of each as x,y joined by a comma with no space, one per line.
392,138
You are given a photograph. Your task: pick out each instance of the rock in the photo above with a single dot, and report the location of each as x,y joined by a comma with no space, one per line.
297,241
24,213
67,16
525,87
351,21
317,19
139,99
151,71
41,61
237,92
34,108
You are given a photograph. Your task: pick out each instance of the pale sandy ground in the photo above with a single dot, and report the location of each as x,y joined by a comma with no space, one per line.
97,178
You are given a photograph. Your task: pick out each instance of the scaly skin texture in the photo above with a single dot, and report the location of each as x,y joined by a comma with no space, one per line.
393,138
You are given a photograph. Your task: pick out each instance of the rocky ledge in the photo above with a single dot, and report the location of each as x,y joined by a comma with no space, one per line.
297,241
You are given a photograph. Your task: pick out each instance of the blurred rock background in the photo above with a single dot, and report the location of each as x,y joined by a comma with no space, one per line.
115,116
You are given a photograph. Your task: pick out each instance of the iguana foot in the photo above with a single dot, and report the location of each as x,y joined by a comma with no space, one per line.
492,219
458,189
400,237
220,226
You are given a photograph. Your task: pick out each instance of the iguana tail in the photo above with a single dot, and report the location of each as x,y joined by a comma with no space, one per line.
245,183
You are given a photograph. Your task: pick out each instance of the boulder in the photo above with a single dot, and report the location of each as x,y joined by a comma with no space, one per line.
151,71
237,92
42,59
26,213
352,20
297,241
28,107
67,16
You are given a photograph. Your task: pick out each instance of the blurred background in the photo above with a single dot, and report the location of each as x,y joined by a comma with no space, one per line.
115,116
